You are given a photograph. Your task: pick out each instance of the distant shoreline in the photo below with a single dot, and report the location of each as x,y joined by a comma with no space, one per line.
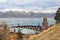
25,17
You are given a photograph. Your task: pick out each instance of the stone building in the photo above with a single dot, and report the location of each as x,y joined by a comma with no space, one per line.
45,23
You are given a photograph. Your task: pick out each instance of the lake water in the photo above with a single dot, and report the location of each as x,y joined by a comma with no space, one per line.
25,21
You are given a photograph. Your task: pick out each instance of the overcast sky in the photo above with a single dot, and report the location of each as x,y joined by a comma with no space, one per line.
33,5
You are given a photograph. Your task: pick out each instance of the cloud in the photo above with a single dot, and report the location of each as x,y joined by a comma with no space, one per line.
21,1
44,10
2,1
31,5
34,9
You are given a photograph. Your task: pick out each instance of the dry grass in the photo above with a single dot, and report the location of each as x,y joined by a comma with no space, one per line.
52,33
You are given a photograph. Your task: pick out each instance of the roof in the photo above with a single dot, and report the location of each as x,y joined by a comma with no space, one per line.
24,26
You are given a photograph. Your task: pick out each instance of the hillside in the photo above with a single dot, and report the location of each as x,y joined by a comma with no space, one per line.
52,33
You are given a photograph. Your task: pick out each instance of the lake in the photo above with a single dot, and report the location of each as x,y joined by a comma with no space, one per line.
25,21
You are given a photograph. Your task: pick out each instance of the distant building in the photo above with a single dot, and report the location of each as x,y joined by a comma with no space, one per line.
45,23
32,27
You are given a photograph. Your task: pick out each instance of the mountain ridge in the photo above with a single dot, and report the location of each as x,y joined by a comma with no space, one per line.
18,14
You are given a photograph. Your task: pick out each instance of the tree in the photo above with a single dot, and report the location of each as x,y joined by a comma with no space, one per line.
19,34
57,17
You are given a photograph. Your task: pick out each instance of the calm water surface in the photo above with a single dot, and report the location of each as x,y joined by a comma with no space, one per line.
26,21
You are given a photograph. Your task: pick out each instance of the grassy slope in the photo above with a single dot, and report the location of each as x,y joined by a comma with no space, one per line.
52,33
